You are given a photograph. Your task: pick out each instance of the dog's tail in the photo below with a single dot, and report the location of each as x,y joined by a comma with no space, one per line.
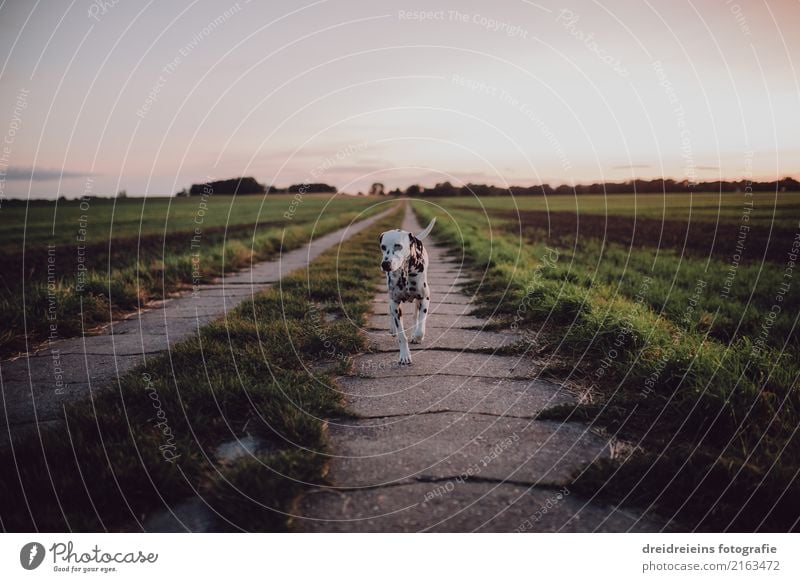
428,229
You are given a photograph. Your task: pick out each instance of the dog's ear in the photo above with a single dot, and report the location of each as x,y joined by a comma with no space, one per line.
415,251
380,238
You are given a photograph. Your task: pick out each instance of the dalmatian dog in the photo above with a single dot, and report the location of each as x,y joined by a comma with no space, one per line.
405,263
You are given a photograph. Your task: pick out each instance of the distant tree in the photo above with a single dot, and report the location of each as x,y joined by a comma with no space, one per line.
396,192
312,189
232,186
444,189
122,194
377,189
183,192
790,185
413,190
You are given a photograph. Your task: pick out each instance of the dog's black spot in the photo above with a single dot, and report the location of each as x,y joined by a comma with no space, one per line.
425,310
427,299
425,284
399,313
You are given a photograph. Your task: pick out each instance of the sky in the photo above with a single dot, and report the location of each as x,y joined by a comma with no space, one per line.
149,97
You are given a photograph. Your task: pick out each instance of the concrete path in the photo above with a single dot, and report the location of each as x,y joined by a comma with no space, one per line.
35,388
451,443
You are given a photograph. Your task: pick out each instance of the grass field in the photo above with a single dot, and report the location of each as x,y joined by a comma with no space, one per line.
78,262
265,372
686,352
778,208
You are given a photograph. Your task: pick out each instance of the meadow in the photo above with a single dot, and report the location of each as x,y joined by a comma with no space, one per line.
676,326
83,261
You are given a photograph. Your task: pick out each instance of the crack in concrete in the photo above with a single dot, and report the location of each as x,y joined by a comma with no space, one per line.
446,410
420,479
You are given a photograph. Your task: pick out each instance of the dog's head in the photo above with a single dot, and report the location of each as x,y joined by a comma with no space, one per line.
398,248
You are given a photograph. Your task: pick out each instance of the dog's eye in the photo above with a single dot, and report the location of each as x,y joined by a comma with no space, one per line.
398,247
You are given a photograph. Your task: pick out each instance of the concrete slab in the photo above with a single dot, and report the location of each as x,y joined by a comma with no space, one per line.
444,338
464,308
385,451
452,506
433,362
379,321
380,397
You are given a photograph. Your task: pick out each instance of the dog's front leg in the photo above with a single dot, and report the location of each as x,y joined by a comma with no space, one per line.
394,308
405,353
422,317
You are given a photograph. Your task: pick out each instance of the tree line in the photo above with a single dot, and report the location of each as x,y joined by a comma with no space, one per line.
657,186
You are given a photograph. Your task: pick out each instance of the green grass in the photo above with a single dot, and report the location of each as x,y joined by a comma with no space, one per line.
43,221
265,371
137,250
713,419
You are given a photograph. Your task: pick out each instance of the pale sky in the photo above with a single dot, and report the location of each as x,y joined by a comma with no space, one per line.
151,97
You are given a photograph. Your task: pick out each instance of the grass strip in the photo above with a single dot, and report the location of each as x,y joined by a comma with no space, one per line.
131,271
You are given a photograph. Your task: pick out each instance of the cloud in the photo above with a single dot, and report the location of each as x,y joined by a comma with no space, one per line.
42,174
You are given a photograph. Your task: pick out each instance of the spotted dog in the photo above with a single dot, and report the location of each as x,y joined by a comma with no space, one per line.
405,263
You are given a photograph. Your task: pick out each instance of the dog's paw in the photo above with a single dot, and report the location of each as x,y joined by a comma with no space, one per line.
417,338
405,359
